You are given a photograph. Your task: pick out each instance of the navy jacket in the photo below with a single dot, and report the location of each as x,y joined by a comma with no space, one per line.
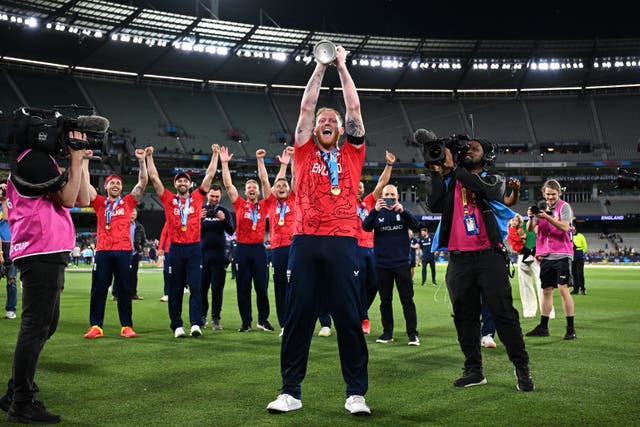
391,243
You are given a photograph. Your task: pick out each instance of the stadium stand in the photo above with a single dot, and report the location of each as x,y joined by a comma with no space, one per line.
616,112
43,91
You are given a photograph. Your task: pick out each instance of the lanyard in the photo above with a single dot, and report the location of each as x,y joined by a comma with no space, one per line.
111,210
465,206
331,160
184,210
362,211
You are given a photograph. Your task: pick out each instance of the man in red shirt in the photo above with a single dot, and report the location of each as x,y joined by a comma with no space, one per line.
324,259
280,202
366,257
251,224
182,213
114,249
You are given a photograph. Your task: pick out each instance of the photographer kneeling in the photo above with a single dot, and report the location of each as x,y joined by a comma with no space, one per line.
477,271
38,198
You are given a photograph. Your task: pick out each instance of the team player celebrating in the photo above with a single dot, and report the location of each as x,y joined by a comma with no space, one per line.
114,249
251,223
182,213
323,259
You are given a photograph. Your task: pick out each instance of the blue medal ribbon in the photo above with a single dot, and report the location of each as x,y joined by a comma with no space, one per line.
283,211
184,210
362,211
253,213
331,160
111,210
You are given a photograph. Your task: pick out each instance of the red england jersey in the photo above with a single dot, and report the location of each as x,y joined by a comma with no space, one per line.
165,240
244,223
118,236
280,234
172,216
365,239
319,211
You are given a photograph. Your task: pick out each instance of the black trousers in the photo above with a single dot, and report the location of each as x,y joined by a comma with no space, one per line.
577,271
42,283
214,272
471,279
432,264
402,278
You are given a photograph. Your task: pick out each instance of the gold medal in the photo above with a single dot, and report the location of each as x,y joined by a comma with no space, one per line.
253,227
108,227
281,221
335,190
183,228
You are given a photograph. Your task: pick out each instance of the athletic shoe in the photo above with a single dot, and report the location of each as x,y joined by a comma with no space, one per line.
164,298
529,259
266,326
127,332
414,340
281,333
366,327
357,405
538,331
385,338
215,325
583,291
114,298
570,335
487,342
434,283
325,331
10,315
195,331
245,328
525,383
138,297
284,403
94,332
574,292
5,401
422,284
470,379
179,332
31,412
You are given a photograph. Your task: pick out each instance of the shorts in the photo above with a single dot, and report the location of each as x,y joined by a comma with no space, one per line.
555,272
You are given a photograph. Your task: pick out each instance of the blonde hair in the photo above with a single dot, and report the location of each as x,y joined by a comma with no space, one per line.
326,109
553,185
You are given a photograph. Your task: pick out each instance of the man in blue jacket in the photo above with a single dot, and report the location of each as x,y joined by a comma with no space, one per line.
391,223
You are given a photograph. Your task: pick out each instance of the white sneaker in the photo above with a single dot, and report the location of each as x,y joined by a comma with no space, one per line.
357,405
325,331
529,259
186,290
164,298
487,342
179,332
10,315
284,403
195,331
281,332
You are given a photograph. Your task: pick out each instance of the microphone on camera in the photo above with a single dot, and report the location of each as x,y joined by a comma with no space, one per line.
424,136
92,124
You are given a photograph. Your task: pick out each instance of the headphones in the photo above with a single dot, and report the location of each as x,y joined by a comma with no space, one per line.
489,152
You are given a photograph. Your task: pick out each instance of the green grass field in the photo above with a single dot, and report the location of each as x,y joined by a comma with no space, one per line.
227,378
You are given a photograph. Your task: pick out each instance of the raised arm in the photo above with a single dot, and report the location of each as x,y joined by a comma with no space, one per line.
232,191
285,160
154,176
68,194
306,120
514,196
212,168
262,173
85,192
385,176
353,124
143,177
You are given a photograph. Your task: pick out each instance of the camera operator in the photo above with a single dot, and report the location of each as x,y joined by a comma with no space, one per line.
555,247
216,220
42,238
476,269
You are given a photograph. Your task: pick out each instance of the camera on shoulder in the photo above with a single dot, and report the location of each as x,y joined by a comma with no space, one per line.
434,148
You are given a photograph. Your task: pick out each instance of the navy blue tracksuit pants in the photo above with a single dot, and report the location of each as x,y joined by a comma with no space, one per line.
280,263
214,272
324,267
252,265
367,279
185,268
116,264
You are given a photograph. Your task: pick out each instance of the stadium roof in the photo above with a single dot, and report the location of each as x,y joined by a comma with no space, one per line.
148,39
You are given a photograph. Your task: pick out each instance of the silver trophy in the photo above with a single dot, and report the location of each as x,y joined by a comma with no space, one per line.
325,52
